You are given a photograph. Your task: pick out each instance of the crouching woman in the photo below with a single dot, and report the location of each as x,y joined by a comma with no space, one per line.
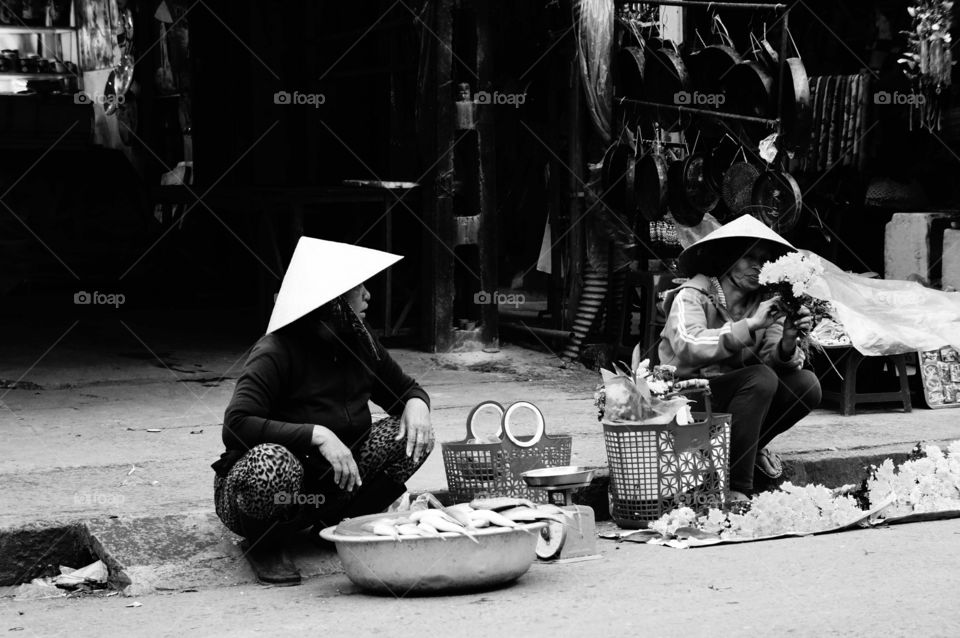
301,448
720,327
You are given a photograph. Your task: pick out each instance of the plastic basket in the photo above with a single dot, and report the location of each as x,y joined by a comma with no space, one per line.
656,468
494,469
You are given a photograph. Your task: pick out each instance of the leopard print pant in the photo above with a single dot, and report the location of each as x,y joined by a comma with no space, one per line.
264,488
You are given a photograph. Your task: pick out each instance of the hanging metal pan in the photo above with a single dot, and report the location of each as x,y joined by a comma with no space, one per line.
664,77
707,67
797,108
701,195
748,90
651,184
613,175
683,213
738,184
628,68
777,200
709,64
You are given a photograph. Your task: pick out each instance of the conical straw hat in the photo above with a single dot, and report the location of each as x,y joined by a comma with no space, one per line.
719,247
322,270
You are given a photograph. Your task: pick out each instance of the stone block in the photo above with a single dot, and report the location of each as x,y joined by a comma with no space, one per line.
951,258
913,245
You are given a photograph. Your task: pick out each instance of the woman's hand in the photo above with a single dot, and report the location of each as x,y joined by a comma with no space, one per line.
794,327
415,425
766,313
346,474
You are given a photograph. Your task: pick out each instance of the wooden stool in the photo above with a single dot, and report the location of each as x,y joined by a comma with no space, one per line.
847,360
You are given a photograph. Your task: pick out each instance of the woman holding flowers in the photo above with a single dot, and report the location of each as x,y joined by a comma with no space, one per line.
722,326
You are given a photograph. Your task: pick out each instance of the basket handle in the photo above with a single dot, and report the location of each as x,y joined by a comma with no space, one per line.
473,414
509,431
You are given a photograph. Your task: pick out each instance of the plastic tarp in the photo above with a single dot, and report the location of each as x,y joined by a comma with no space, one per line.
883,316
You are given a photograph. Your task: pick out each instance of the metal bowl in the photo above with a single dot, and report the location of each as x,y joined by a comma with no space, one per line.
449,563
558,476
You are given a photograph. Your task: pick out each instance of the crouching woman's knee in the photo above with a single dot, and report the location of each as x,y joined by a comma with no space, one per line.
805,385
262,485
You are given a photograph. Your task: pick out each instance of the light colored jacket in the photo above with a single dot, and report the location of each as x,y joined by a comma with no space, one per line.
702,340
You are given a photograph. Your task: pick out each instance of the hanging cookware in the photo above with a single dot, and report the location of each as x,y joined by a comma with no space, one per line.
718,159
699,192
613,175
777,200
710,63
628,67
748,90
651,183
665,81
683,212
707,66
795,106
738,181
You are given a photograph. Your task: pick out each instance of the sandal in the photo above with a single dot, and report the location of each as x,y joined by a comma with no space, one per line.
769,464
737,502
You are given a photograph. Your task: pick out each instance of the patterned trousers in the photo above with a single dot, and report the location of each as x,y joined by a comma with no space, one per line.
268,491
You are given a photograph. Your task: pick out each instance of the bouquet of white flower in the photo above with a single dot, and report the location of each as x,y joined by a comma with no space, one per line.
790,277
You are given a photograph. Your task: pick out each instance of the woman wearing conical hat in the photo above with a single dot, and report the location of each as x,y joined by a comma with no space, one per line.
302,449
720,327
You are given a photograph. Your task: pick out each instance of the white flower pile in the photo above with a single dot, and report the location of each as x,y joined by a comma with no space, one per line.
791,509
795,269
928,484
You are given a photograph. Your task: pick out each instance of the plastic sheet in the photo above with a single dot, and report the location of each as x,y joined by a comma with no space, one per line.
884,317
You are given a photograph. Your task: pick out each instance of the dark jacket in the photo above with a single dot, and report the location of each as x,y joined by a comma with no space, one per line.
295,379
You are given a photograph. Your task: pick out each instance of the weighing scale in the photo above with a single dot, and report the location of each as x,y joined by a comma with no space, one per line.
577,538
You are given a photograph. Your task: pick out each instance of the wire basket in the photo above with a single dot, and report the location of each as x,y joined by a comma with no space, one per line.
655,468
494,469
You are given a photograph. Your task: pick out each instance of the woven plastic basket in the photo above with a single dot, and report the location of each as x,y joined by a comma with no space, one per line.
494,469
656,468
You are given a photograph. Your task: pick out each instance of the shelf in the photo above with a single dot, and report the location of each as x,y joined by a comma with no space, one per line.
8,29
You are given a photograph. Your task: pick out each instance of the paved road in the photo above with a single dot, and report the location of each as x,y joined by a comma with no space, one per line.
69,447
901,581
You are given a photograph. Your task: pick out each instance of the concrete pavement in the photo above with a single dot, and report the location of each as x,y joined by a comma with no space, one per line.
79,445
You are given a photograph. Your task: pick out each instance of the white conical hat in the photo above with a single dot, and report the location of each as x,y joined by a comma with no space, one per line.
715,247
322,270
